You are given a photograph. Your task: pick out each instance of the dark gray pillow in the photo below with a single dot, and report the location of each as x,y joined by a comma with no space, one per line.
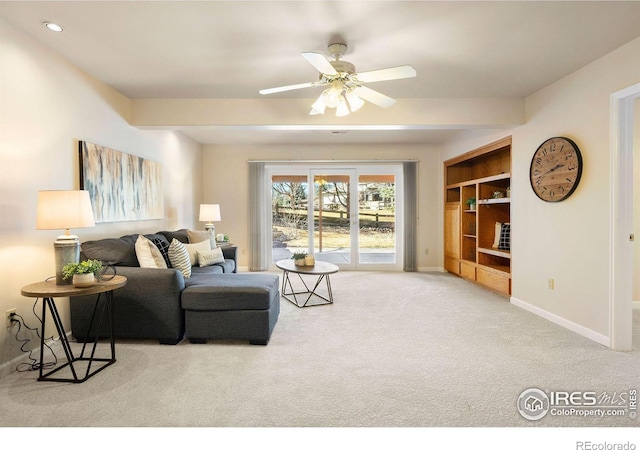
180,235
112,251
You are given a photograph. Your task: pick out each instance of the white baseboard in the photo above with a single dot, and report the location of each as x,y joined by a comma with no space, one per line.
565,323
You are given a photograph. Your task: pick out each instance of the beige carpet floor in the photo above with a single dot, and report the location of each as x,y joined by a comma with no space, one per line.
394,350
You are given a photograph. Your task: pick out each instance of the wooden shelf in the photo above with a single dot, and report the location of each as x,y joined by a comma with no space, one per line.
470,234
498,268
494,201
495,252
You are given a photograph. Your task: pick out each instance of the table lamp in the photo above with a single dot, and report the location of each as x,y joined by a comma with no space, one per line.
210,214
62,210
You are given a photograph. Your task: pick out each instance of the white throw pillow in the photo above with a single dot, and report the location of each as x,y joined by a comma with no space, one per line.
193,250
148,254
210,257
179,257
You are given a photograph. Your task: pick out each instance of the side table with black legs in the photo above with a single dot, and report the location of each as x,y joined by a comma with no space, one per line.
103,310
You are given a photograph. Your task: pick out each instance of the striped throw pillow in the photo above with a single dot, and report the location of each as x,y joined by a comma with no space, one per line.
179,257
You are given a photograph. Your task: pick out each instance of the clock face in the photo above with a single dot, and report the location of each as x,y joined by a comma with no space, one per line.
556,168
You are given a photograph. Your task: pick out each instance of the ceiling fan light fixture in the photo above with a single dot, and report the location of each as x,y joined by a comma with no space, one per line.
342,109
345,87
331,97
355,102
319,106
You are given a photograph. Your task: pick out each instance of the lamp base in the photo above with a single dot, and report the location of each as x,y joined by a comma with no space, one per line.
67,250
210,228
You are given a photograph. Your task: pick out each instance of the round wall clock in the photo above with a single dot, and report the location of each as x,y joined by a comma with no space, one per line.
556,168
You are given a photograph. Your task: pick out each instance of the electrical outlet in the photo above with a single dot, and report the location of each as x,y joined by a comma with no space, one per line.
9,313
552,283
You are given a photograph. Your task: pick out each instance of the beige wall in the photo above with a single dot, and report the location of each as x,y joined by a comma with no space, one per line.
46,106
226,179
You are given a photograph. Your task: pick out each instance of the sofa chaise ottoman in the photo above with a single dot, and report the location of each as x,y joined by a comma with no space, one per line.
231,306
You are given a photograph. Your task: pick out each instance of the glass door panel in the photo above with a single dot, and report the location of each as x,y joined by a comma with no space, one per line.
289,200
377,219
332,211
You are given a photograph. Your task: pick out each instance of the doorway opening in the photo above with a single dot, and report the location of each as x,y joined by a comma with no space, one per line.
623,104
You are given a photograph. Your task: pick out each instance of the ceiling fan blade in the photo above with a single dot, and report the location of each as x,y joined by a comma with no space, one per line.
374,97
287,88
392,73
320,62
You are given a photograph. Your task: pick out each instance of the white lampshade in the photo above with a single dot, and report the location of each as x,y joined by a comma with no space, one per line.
319,106
332,96
210,213
342,109
355,102
61,210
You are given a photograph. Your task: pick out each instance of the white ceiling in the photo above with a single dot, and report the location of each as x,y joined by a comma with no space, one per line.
232,49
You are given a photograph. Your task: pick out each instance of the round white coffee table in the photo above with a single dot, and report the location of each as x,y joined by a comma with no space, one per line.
320,269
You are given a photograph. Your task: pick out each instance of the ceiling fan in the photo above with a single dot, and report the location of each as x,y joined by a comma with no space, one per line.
345,88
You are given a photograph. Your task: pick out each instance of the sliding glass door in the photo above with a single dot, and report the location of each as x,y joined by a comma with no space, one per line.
333,230
347,215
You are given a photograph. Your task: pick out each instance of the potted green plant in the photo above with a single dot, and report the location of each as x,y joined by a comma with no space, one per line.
83,273
471,202
298,258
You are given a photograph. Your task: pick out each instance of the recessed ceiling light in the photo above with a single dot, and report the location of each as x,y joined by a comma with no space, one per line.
52,26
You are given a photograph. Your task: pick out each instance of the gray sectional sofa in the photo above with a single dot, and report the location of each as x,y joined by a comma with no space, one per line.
221,303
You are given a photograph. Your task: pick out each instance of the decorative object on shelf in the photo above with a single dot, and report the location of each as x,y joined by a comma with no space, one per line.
299,258
134,194
471,202
210,214
508,191
309,260
83,273
64,210
556,168
498,194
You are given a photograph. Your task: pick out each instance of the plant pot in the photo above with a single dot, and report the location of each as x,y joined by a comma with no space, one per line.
309,260
299,262
472,207
81,280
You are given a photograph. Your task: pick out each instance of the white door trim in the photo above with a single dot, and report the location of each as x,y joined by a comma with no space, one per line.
621,219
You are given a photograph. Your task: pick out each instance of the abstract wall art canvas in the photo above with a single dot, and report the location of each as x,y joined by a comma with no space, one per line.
121,186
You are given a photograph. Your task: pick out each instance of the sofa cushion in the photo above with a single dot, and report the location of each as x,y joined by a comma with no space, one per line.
199,236
149,254
193,250
162,244
230,292
197,271
180,235
111,251
210,257
179,258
